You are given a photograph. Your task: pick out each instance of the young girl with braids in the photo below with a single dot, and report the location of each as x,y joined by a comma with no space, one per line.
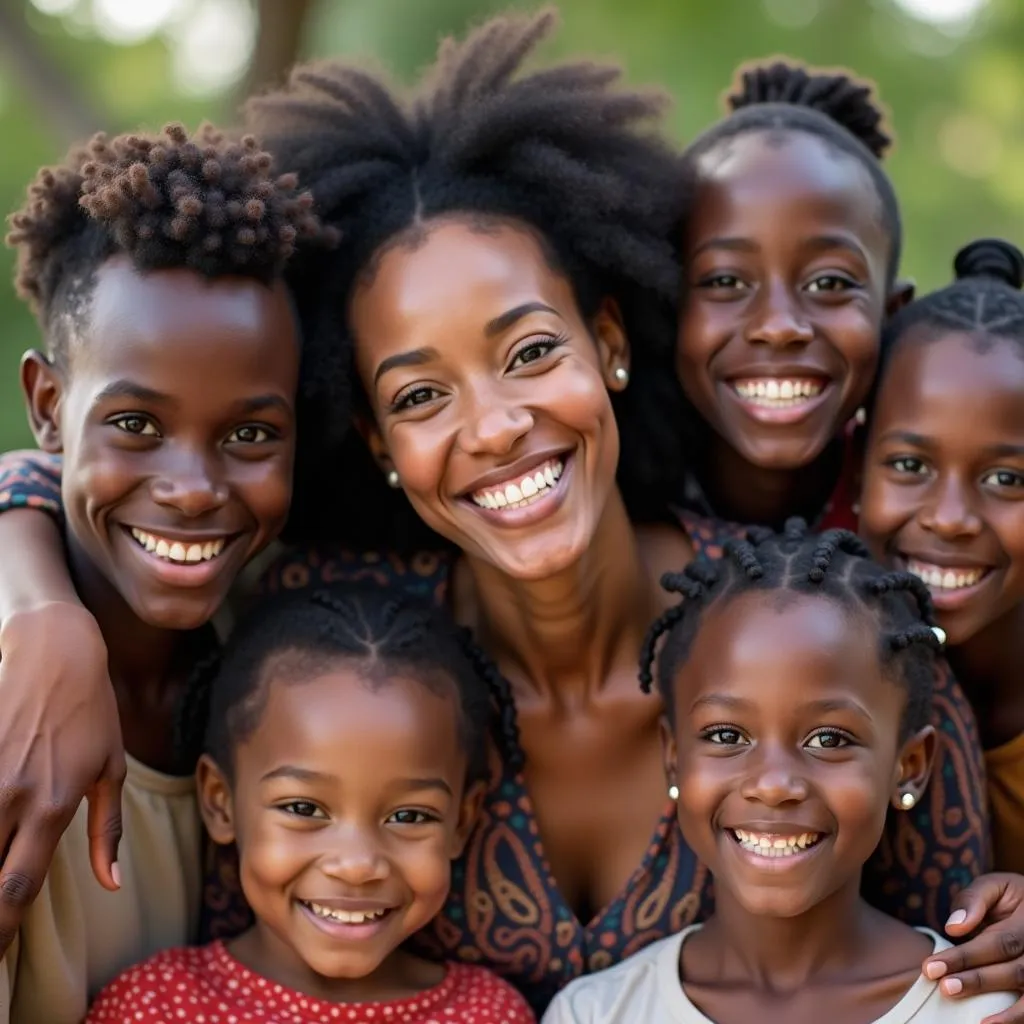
344,757
168,384
501,300
943,490
796,676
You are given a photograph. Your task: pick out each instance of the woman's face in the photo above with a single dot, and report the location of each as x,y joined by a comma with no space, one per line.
490,392
786,271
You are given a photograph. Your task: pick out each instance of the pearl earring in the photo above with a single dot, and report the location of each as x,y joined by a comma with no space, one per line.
393,480
940,634
907,801
622,375
673,792
860,417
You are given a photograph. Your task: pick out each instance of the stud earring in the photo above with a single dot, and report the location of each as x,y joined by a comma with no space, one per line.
622,375
393,479
860,417
673,792
940,634
907,801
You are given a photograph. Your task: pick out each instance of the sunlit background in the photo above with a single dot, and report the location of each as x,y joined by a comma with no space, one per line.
950,71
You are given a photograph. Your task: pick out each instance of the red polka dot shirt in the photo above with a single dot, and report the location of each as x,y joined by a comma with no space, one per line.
207,985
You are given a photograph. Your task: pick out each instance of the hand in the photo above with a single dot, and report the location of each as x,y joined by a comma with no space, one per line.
60,741
993,961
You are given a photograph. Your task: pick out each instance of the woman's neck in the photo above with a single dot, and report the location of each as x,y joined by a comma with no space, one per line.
566,633
741,492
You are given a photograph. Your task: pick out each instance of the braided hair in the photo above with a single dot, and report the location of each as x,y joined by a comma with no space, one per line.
559,150
834,564
206,203
298,637
844,111
985,300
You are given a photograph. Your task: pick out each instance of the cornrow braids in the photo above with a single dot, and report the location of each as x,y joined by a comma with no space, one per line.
985,300
560,150
300,636
834,564
781,95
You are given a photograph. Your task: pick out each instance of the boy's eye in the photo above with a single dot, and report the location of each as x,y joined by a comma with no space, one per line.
137,425
532,352
409,817
725,281
908,464
828,739
302,809
724,735
249,434
830,283
1003,478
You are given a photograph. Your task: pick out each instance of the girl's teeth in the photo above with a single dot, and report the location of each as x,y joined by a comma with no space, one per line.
176,551
345,916
773,845
522,492
945,579
776,393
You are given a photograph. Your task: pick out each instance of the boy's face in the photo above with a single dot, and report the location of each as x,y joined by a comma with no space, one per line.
174,408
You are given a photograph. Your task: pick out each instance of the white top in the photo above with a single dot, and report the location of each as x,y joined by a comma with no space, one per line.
646,987
76,937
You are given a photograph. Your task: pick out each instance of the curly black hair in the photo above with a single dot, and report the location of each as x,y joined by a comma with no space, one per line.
292,639
834,564
559,150
782,95
207,203
985,300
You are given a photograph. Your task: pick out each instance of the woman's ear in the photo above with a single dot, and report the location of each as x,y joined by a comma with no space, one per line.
914,768
669,755
368,430
612,344
901,294
215,803
43,390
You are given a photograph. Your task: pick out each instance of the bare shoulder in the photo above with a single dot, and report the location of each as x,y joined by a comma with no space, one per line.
664,547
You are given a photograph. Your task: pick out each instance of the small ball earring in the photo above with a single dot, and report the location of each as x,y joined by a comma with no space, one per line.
940,634
393,479
907,801
860,417
673,792
622,375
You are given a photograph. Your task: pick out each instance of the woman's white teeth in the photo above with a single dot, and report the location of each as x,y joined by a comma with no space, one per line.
945,579
522,492
775,392
767,845
175,550
344,916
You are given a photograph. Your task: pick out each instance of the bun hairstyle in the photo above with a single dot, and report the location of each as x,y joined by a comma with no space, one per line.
781,95
985,300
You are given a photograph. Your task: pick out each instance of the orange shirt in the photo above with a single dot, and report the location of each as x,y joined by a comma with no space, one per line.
1004,767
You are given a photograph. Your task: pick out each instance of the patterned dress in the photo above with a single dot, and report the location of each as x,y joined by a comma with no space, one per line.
505,910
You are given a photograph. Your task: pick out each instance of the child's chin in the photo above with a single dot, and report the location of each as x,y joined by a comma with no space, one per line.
182,613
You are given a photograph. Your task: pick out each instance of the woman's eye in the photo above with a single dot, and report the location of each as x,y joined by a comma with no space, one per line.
908,464
140,426
407,817
828,739
302,809
725,281
250,434
724,736
830,283
416,396
532,352
1003,478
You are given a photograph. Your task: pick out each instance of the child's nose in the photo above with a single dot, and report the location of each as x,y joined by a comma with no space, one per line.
355,858
190,484
949,512
776,318
775,779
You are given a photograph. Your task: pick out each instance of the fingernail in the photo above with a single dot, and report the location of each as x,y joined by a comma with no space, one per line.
957,917
115,873
952,986
935,969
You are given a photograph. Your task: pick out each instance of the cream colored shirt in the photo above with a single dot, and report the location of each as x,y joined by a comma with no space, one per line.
646,988
77,936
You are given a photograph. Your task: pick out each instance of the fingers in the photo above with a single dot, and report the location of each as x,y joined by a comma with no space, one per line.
989,963
973,904
104,827
23,871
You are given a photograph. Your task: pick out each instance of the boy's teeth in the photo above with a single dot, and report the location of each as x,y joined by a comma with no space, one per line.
344,916
175,551
943,578
525,491
768,845
776,392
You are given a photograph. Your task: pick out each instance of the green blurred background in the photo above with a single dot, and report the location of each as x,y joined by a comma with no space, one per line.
950,71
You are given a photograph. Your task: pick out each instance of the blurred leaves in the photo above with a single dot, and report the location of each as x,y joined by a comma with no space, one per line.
954,92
